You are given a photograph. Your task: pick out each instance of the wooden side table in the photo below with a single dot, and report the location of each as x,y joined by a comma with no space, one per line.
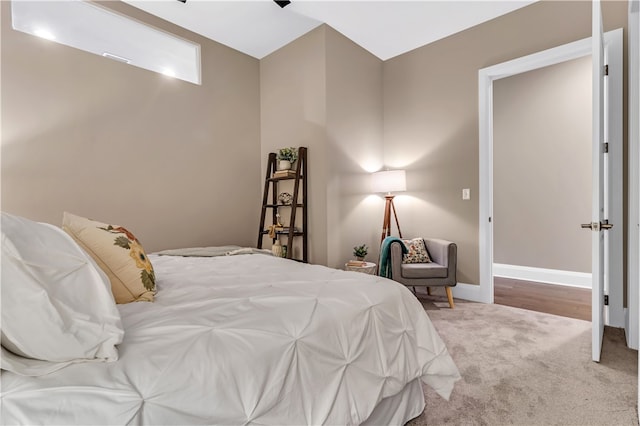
368,268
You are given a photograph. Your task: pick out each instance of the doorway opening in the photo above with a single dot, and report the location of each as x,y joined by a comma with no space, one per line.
542,185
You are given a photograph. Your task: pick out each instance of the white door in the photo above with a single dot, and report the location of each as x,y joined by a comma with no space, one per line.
597,212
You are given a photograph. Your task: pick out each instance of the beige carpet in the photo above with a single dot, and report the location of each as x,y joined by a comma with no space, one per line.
522,367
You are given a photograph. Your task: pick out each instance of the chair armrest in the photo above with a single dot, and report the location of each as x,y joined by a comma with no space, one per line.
396,259
444,253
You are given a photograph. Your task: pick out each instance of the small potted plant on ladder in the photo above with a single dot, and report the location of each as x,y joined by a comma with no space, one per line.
286,158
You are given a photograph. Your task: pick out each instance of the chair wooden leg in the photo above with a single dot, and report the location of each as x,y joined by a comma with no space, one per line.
429,291
449,297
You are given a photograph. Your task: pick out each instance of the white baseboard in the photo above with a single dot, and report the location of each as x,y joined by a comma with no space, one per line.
470,292
542,275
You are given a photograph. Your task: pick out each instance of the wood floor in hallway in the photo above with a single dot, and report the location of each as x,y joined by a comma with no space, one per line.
554,299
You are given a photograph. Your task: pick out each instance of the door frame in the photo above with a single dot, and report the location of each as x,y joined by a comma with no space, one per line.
486,77
633,239
633,251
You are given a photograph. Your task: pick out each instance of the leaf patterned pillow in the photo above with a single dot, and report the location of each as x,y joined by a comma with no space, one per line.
417,251
118,253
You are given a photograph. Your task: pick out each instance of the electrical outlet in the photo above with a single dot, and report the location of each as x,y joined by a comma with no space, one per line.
466,194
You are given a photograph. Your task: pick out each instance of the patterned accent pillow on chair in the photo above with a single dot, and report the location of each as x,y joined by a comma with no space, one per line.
417,251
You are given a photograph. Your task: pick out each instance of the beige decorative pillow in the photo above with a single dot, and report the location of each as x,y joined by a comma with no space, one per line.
417,251
118,253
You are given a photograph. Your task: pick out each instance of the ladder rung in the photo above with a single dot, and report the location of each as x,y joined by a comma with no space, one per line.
272,179
283,232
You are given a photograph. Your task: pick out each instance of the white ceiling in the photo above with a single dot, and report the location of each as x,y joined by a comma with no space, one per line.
384,28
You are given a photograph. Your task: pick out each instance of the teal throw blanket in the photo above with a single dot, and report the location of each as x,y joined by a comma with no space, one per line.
385,255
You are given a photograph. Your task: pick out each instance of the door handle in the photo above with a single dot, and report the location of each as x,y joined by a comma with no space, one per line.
597,226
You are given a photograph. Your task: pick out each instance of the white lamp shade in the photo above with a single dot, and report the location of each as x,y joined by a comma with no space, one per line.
389,181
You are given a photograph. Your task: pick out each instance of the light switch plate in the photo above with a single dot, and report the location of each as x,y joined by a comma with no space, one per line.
466,194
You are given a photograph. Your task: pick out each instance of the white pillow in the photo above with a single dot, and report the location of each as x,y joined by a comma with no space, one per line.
57,305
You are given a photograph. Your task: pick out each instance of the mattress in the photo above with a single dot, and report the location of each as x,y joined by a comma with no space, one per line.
250,339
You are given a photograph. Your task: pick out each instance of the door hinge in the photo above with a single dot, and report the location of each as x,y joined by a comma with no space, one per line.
606,147
606,70
606,300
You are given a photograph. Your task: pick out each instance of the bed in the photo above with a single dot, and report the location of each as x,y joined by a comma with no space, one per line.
250,339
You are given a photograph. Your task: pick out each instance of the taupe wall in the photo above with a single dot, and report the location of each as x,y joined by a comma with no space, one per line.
542,167
177,163
431,114
325,92
354,137
293,113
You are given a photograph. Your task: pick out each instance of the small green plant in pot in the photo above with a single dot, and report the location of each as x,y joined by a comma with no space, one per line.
360,252
286,157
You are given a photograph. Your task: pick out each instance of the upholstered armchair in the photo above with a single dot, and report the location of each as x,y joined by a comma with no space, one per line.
440,272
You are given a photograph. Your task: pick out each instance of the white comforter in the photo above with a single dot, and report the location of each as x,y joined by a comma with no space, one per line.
248,339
